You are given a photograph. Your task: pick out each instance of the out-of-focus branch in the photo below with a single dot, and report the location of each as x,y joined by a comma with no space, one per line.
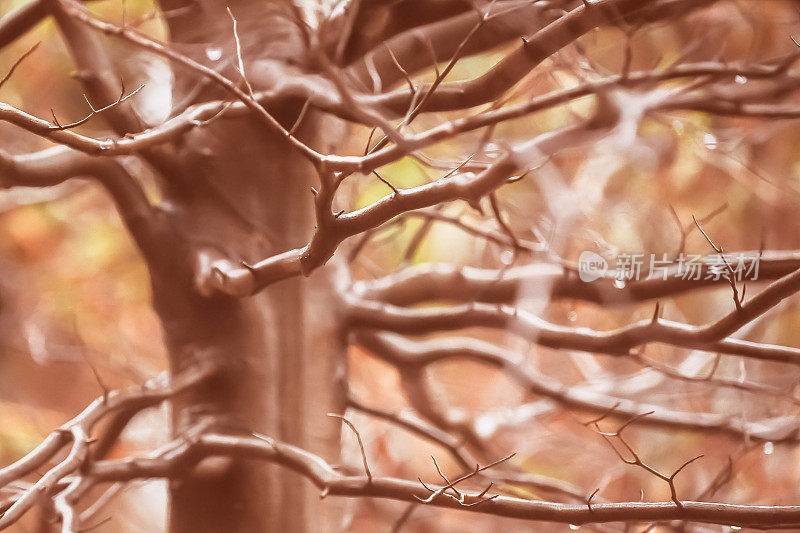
96,71
419,394
500,238
712,337
19,21
416,426
540,46
81,14
365,24
423,46
448,283
58,164
103,83
454,447
711,379
78,431
414,355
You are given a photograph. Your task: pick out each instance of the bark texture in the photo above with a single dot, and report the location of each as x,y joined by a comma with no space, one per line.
247,194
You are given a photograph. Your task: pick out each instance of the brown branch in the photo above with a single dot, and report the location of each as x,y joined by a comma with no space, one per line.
78,430
712,336
58,164
96,72
747,386
78,12
408,355
332,229
16,23
384,21
360,443
195,116
540,46
119,101
449,283
454,447
635,459
76,457
183,455
315,89
17,63
731,278
424,46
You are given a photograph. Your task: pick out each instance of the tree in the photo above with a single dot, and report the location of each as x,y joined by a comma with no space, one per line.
255,171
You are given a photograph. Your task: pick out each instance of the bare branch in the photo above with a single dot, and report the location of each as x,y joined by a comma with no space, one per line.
78,12
407,354
534,50
182,456
78,430
17,63
448,283
19,21
360,443
58,164
712,337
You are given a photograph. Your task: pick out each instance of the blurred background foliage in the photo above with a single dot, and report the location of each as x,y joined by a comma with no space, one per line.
74,295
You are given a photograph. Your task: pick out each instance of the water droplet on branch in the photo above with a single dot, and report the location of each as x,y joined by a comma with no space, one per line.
214,53
710,141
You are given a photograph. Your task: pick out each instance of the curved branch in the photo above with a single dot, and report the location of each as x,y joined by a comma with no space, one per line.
423,46
78,430
326,478
97,73
81,14
540,46
18,22
332,229
449,283
58,164
316,91
405,353
712,337
377,22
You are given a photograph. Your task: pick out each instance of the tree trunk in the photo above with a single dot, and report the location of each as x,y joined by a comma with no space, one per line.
281,350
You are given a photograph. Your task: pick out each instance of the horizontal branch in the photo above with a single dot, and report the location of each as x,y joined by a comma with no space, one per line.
741,384
185,454
710,337
450,283
332,229
365,24
78,431
405,353
58,164
19,21
453,446
318,92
